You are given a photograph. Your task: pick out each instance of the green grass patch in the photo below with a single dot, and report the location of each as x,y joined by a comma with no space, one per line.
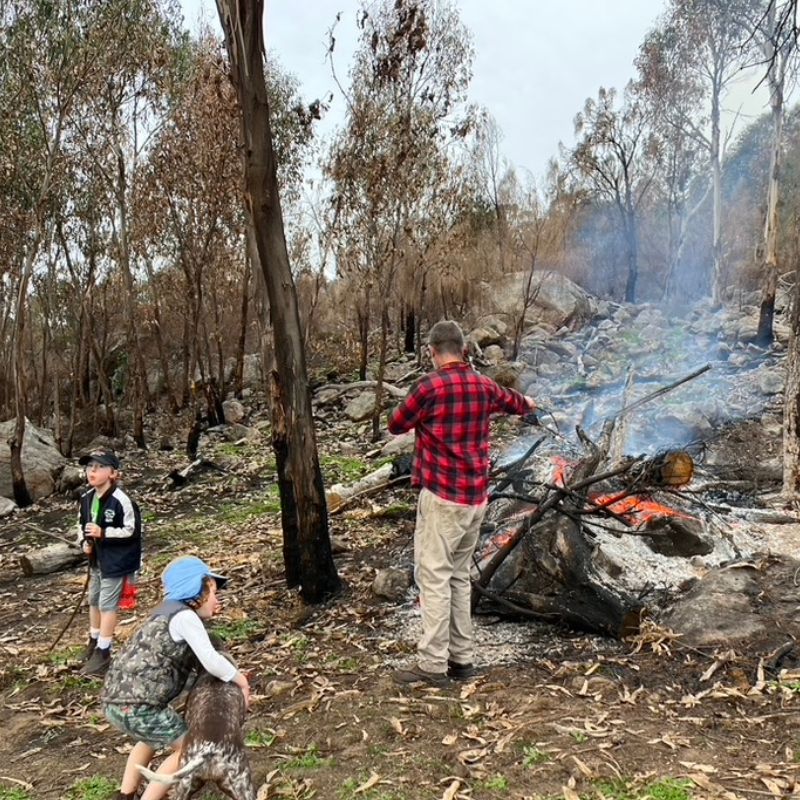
63,657
237,513
617,789
670,789
239,630
343,664
579,736
259,738
16,793
84,683
497,783
94,788
343,469
532,756
398,511
311,759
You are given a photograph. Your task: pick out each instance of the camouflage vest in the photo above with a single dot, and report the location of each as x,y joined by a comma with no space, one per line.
152,669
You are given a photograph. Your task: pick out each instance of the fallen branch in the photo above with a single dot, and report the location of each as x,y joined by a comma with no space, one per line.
343,388
366,492
658,392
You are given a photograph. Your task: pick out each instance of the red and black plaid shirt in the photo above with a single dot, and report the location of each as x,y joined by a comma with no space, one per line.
450,410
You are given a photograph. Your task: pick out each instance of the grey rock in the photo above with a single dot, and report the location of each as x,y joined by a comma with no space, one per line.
234,411
391,583
361,407
397,445
42,461
493,354
7,507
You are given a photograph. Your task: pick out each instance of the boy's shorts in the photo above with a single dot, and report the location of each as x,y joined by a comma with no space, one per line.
104,593
157,727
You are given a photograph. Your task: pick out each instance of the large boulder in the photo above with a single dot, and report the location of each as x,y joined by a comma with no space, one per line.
556,299
42,461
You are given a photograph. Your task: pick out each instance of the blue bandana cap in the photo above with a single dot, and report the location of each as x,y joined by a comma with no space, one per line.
183,578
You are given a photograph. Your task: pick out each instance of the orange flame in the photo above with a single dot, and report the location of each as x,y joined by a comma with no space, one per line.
636,510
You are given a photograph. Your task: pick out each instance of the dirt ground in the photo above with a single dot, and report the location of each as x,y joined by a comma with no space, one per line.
556,713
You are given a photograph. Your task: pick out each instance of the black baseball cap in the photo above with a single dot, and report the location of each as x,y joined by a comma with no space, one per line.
102,455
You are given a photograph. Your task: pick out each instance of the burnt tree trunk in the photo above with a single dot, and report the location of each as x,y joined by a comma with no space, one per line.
280,444
242,22
410,333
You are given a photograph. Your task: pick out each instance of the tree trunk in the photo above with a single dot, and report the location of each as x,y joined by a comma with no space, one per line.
716,178
766,316
410,334
791,406
242,22
238,372
377,416
632,237
280,444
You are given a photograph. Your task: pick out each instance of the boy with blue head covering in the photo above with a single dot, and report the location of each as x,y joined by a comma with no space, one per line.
156,665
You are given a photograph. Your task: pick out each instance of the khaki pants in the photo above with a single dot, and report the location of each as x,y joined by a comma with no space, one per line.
444,541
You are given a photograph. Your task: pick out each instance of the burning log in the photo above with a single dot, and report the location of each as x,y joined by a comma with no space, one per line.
557,573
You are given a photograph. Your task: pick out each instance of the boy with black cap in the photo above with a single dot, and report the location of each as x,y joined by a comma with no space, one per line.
158,663
110,530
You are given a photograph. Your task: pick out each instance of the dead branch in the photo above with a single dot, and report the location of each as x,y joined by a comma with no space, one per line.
343,388
658,392
368,491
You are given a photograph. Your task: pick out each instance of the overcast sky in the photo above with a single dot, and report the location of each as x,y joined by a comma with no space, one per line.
536,61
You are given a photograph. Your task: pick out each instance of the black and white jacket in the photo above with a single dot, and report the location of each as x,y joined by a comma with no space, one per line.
118,551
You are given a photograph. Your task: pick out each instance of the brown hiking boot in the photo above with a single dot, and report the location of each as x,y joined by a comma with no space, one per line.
98,663
414,675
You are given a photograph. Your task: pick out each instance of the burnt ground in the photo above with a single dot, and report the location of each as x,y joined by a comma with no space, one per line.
556,713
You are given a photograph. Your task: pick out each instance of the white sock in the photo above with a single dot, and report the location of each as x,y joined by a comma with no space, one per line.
103,642
94,632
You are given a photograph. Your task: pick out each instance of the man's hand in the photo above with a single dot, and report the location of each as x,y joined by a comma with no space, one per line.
531,403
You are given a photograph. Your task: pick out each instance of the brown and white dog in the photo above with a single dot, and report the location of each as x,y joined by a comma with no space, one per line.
213,750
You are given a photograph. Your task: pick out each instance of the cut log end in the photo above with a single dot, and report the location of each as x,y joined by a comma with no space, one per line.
52,558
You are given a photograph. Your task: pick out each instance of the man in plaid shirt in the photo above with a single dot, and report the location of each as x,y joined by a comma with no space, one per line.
449,409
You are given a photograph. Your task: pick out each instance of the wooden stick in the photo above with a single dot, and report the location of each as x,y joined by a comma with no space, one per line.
658,392
43,532
74,610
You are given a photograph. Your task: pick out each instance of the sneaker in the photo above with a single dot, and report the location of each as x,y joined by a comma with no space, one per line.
98,663
460,672
89,649
413,675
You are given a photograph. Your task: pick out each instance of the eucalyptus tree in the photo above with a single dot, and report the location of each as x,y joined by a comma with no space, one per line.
141,68
52,55
701,44
390,164
308,558
776,48
611,160
682,172
195,220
